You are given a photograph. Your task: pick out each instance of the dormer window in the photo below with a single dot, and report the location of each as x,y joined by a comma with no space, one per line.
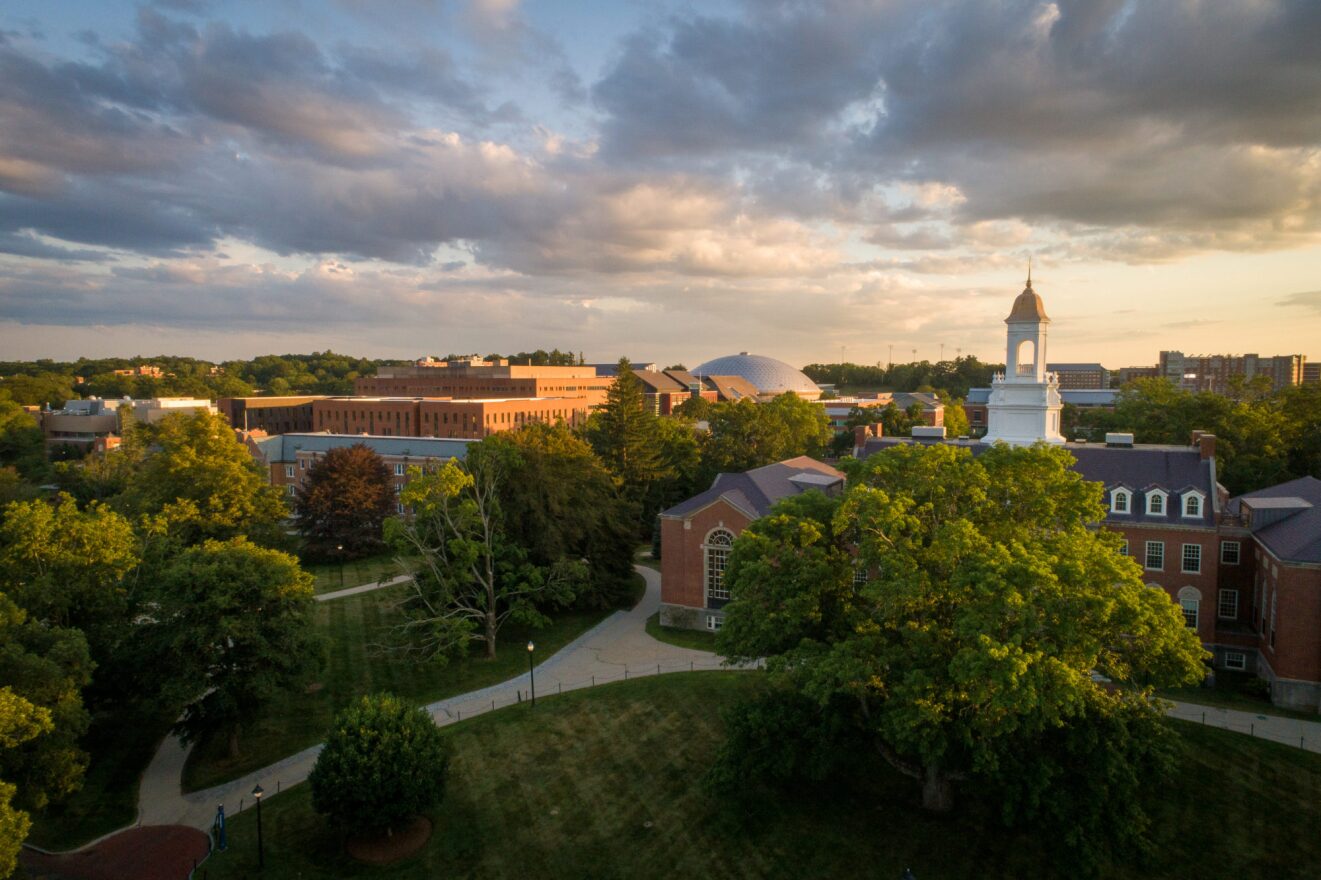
1120,499
1156,503
1192,504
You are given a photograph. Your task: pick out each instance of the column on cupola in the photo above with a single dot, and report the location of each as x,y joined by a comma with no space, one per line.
1024,405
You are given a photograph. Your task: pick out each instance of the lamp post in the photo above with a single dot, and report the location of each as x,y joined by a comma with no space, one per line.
261,855
532,677
339,549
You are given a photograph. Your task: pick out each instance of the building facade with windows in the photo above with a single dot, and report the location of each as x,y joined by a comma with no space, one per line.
286,458
1080,376
698,534
441,417
274,415
474,378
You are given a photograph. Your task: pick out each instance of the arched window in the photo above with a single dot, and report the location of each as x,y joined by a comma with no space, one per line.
1119,500
1192,504
717,547
1190,600
1025,357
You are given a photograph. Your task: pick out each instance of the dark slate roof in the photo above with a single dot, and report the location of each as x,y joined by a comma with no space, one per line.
757,490
1297,537
978,395
1073,367
1174,469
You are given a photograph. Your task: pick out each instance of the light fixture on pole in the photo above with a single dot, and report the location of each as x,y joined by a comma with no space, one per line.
531,675
261,855
339,551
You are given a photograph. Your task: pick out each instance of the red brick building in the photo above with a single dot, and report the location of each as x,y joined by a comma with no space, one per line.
697,534
476,379
441,417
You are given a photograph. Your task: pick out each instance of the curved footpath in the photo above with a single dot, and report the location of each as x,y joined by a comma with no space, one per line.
616,648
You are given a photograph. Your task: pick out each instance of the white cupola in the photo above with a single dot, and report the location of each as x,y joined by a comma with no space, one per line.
1024,406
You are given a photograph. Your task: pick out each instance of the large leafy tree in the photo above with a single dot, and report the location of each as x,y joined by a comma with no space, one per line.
559,503
231,631
981,603
343,503
47,666
20,721
744,434
472,576
205,482
70,568
384,763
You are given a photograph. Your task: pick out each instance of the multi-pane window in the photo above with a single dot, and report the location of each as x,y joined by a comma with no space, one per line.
399,470
289,471
1228,604
1123,549
859,576
1192,505
302,464
1229,552
1189,607
718,545
1119,501
293,490
1236,660
1156,504
714,622
1155,556
1192,559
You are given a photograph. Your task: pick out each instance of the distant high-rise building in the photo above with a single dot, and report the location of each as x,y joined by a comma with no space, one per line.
1215,372
1128,374
1312,372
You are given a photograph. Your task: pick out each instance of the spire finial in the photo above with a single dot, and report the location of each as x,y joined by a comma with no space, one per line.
1029,271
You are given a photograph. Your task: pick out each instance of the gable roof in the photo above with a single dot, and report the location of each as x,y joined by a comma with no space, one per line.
1296,537
732,387
756,491
657,382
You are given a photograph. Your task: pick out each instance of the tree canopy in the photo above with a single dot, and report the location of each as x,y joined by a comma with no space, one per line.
232,629
383,763
962,605
343,503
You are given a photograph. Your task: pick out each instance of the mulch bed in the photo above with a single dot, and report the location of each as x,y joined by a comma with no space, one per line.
386,850
153,852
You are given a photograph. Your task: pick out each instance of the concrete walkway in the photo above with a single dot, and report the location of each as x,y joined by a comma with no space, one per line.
361,588
616,648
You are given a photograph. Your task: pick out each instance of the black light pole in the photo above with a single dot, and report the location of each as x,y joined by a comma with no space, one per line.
340,549
261,855
908,875
532,677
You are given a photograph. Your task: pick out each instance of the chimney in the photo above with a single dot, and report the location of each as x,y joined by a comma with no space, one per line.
859,436
1206,443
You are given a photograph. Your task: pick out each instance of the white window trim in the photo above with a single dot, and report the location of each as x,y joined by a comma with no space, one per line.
1183,560
1201,504
398,470
1115,495
1146,555
289,472
707,593
1231,656
1164,502
714,622
1220,604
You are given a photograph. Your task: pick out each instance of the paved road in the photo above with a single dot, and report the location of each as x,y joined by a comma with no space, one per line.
616,648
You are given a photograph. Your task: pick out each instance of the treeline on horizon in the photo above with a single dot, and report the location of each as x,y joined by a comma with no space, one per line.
954,377
46,381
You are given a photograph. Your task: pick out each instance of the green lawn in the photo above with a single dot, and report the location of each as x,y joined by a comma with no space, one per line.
353,625
1235,691
368,570
605,783
120,749
697,639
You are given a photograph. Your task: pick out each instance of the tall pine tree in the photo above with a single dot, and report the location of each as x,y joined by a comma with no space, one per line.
624,434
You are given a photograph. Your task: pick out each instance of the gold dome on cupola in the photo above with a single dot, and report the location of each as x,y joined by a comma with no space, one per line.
1028,306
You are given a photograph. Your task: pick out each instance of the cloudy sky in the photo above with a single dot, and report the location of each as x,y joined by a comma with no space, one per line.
670,181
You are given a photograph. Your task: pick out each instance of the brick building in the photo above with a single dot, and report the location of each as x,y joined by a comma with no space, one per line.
441,417
287,457
1129,374
1080,376
274,415
477,379
1312,373
697,534
1215,372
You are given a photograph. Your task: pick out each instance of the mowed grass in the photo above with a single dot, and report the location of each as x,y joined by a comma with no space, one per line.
355,627
120,748
1236,691
606,783
697,639
327,576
